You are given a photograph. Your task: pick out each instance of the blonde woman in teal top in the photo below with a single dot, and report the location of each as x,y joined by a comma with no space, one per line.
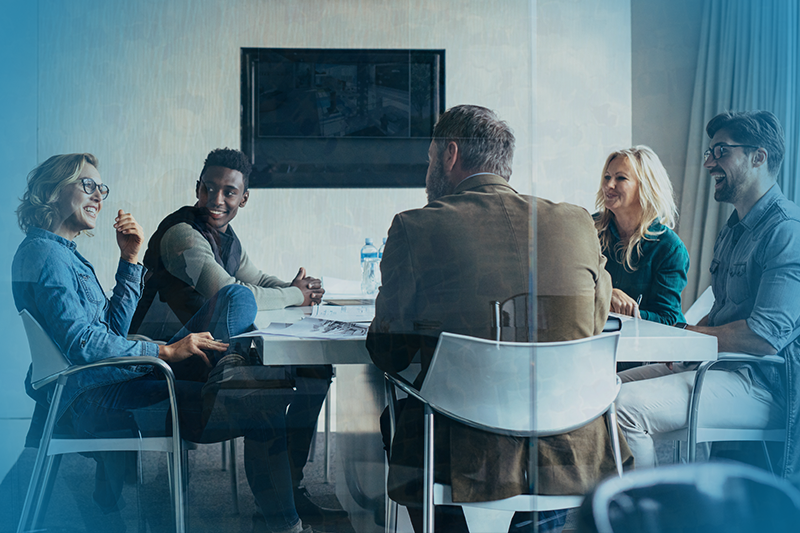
646,258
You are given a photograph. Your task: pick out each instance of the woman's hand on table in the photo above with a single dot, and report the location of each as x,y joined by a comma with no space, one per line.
310,287
130,236
623,304
192,344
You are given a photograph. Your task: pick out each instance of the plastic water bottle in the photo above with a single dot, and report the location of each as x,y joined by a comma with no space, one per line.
369,268
380,250
380,258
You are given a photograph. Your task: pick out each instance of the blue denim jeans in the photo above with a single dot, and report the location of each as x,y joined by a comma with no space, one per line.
311,388
140,407
228,313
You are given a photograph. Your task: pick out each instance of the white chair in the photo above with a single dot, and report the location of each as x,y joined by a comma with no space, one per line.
517,389
695,433
50,365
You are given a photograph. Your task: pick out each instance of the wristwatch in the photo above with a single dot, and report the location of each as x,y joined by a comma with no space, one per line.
681,325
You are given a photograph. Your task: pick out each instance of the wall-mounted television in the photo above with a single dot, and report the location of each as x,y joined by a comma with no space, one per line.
339,118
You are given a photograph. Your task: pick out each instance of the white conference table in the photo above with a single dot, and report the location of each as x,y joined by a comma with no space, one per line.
360,396
640,341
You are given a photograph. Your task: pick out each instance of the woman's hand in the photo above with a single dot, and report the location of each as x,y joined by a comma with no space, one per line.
130,236
192,344
310,287
623,304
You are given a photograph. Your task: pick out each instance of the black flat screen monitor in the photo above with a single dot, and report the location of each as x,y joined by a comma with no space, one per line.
340,118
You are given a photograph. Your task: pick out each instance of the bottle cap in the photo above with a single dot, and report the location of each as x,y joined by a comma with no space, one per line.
368,240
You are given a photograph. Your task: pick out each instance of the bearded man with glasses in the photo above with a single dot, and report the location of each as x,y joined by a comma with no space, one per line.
755,276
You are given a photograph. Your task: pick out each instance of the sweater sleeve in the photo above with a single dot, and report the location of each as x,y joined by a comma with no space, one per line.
188,256
270,292
669,280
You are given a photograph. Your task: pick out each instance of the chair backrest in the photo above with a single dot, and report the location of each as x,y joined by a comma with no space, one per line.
522,388
716,497
510,319
47,359
700,308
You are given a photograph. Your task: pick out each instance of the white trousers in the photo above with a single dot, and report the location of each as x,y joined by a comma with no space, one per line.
654,399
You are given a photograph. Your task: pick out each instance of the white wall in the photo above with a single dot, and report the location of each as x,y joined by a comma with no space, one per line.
151,87
665,41
583,94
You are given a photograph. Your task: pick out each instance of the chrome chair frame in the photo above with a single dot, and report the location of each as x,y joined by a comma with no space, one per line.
693,434
439,494
52,366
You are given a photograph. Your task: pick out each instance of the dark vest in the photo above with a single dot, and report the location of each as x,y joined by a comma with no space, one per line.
182,298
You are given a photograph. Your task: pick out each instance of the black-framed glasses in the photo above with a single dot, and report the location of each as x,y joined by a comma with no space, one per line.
89,186
721,150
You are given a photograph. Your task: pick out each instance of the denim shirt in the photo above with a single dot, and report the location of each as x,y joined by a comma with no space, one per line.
755,273
59,287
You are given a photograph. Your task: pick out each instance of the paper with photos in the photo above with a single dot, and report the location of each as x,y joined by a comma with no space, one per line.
314,328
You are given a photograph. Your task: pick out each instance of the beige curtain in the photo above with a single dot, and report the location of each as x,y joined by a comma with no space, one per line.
747,60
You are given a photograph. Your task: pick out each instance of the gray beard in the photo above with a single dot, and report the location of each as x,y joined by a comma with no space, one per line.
438,185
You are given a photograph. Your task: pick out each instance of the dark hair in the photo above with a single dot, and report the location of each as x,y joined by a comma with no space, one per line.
485,142
37,209
232,159
759,128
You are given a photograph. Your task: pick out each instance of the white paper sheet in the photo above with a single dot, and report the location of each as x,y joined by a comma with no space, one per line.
344,313
313,328
341,287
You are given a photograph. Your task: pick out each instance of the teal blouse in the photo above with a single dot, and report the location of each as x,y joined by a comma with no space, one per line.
660,274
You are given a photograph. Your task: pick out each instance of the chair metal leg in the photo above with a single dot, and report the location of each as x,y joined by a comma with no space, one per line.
613,431
767,457
139,482
327,460
45,482
694,407
178,467
43,461
389,504
676,452
391,516
224,456
46,490
427,509
234,477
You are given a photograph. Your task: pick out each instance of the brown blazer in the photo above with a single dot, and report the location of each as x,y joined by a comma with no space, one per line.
442,266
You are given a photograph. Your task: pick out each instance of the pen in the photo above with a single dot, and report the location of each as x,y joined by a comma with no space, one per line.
639,300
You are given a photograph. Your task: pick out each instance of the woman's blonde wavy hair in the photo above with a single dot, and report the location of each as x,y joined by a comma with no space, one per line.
655,197
37,209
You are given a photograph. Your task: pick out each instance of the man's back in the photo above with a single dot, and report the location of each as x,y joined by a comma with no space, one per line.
444,264
442,267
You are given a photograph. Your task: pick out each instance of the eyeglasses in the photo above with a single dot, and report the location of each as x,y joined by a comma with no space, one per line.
721,150
89,186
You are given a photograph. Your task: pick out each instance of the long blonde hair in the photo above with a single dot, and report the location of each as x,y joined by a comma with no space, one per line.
655,197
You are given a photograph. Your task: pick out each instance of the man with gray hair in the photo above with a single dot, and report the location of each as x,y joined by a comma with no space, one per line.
442,266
